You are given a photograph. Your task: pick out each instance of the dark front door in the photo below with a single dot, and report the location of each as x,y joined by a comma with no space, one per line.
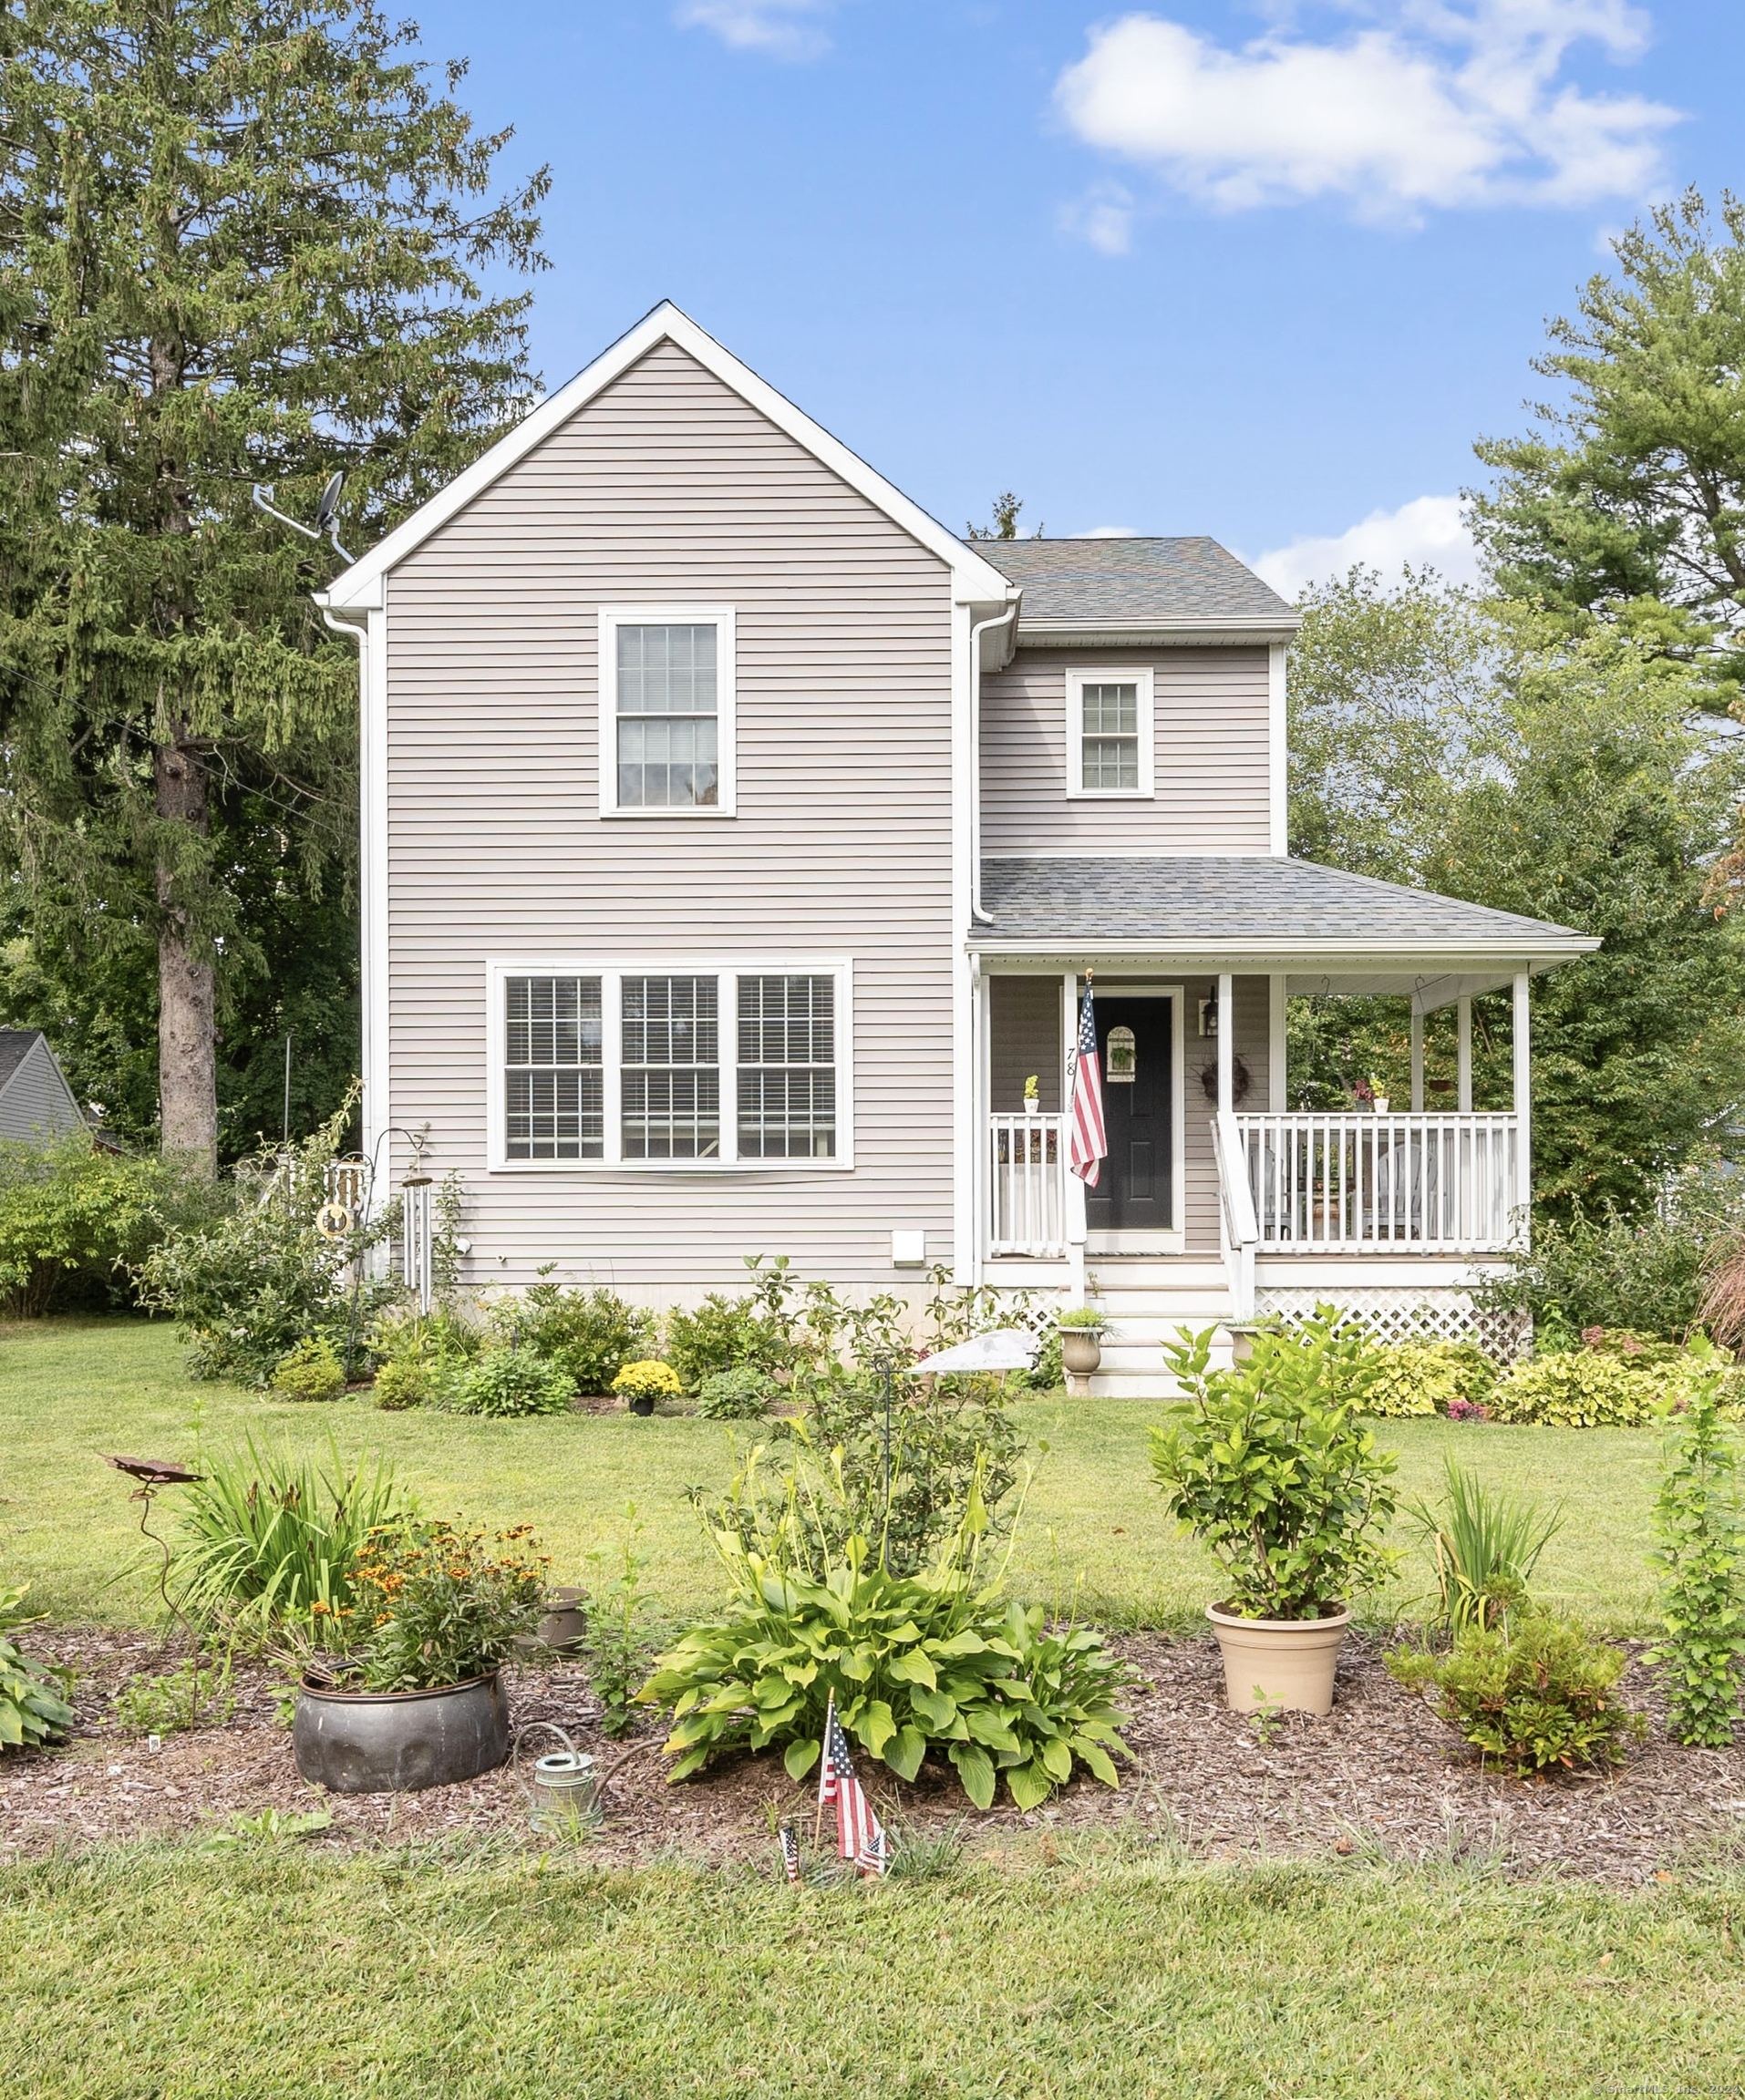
1134,1189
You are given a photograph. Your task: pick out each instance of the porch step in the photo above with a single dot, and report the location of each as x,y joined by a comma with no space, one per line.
1145,1300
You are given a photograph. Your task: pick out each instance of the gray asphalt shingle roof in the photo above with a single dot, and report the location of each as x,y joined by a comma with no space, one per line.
14,1043
1134,582
1202,899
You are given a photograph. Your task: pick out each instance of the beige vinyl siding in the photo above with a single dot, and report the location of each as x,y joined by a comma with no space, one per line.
1212,773
670,487
1024,1040
35,1103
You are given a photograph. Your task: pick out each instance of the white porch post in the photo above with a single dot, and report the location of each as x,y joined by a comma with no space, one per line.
1226,1045
1417,1058
1463,1055
1075,1204
1278,1098
1523,1101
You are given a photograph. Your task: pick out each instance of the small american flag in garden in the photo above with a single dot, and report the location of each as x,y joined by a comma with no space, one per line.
1090,1140
791,1854
860,1837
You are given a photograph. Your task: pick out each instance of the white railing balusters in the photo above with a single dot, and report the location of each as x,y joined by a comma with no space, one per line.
1026,1189
1341,1183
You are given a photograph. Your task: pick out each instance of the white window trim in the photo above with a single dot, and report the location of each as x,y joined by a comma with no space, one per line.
722,618
1140,674
611,971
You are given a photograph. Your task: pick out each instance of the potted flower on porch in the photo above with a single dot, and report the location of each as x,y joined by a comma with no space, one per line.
414,1699
1081,1346
1276,1474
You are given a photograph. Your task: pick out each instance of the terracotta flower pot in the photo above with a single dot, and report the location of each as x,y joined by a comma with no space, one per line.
1287,1662
1081,1351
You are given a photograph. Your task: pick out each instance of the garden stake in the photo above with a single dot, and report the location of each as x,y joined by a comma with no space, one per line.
153,1474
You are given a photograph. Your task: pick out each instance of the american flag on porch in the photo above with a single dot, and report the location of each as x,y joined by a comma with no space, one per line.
1090,1140
860,1836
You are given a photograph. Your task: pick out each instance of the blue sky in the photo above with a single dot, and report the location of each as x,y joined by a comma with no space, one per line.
1258,270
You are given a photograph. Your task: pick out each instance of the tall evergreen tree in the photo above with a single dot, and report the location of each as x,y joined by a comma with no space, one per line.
241,241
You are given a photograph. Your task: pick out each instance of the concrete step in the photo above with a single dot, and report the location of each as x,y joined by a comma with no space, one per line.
1197,1305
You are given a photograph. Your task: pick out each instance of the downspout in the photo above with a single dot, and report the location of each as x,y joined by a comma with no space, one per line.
980,628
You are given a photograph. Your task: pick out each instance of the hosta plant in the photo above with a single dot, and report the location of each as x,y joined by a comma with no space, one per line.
916,1664
1428,1378
32,1710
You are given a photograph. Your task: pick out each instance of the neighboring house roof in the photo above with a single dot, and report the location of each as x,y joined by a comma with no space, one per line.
35,1098
975,580
1254,907
1154,586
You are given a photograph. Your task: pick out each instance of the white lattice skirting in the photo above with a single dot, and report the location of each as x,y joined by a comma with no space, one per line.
1404,1313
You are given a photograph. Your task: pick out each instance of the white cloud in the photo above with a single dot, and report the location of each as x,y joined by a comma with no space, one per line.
784,28
1108,532
1446,103
1103,216
1430,530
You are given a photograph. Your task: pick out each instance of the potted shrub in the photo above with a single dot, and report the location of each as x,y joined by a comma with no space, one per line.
415,1699
1081,1346
1276,1474
643,1384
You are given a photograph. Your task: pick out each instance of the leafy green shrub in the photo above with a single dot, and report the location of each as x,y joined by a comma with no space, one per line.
32,1710
509,1384
1273,1472
406,1382
1645,1270
1701,1547
615,1642
1575,1389
591,1334
1534,1691
1425,1377
915,1664
310,1370
268,1539
727,1335
248,1287
437,1605
651,1381
1483,1547
741,1395
75,1220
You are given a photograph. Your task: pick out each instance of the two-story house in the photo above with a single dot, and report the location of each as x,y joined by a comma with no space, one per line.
737,842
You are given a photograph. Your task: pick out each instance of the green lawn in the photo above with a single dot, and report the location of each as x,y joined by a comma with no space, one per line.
72,1390
158,1973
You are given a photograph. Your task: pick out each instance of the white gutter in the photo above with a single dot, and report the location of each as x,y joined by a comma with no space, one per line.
978,630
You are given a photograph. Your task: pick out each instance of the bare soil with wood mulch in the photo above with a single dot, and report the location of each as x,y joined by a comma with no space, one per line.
1381,1773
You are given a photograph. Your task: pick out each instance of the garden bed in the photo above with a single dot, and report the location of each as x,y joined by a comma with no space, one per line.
1379,1773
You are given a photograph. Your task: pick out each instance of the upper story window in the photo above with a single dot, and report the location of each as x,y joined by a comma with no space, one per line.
1110,734
683,1064
666,711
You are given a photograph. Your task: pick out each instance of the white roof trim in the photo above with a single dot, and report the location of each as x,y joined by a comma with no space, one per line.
975,581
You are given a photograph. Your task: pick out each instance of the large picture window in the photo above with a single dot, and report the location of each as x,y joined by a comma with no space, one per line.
1110,732
667,710
673,1064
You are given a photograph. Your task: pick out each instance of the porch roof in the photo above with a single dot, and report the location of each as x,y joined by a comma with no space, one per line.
1327,930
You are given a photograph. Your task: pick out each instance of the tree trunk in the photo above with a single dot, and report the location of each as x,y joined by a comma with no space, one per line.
187,1084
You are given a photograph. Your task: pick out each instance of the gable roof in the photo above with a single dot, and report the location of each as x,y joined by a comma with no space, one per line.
975,580
14,1047
1157,586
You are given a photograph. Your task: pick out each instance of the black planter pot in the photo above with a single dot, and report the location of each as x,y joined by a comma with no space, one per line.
398,1742
642,1402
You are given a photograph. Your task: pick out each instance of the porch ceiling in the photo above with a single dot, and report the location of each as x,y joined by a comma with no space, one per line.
1327,931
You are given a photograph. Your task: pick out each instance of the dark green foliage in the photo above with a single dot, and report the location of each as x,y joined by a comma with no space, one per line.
1533,1693
507,1383
1700,1547
914,1664
617,1641
267,1540
589,1334
241,242
310,1371
1627,504
1645,1270
74,1220
741,1395
1482,1547
1273,1471
727,1335
32,1710
248,1287
437,1605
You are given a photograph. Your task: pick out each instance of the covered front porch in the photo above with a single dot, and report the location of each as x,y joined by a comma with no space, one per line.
1219,1199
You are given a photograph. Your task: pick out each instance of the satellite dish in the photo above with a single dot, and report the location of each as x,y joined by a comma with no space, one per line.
327,509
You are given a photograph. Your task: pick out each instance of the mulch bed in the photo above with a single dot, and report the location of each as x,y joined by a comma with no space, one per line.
1381,1773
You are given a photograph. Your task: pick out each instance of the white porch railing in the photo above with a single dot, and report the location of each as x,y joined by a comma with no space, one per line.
1351,1184
1027,1185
